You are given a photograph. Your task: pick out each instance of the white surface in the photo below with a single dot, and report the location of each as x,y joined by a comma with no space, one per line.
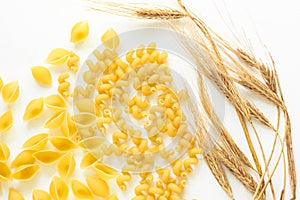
30,29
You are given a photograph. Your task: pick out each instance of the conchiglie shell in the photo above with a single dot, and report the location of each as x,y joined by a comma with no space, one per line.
80,190
6,121
79,32
110,39
23,158
58,189
85,105
40,195
62,143
14,195
58,56
95,183
4,151
66,165
68,128
36,142
87,160
104,172
85,120
26,172
47,157
92,143
33,109
42,75
55,121
10,92
5,172
55,102
112,197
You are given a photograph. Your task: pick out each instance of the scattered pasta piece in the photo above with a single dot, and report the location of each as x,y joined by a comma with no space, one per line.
110,39
58,56
68,127
95,183
40,195
55,102
23,158
105,172
5,172
81,191
47,157
42,75
56,120
79,31
62,143
58,189
87,160
6,121
33,109
64,86
66,165
10,92
26,172
13,194
36,142
4,151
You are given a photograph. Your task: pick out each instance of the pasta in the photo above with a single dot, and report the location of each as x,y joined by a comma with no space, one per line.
73,62
87,160
26,172
104,172
56,120
66,165
141,189
79,31
95,183
80,190
68,127
112,197
4,151
110,39
58,56
55,102
40,195
33,109
42,75
58,189
10,92
122,179
47,157
13,194
5,172
62,143
23,158
64,86
36,142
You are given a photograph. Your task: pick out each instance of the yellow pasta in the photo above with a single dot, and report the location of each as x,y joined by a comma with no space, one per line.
95,183
42,75
26,172
105,172
55,102
56,120
10,92
66,165
6,121
5,172
87,160
33,109
36,142
47,157
58,189
155,191
174,188
112,197
79,31
13,194
80,190
110,39
58,56
64,85
23,158
92,143
40,195
62,143
4,151
141,189
68,127
122,179
73,62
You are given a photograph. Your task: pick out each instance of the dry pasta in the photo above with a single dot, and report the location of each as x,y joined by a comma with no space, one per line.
104,172
4,151
110,39
13,194
122,180
58,189
40,195
80,190
47,157
58,56
95,183
66,165
79,31
23,158
56,120
55,102
42,75
10,92
5,172
64,85
87,160
36,142
33,109
62,143
26,172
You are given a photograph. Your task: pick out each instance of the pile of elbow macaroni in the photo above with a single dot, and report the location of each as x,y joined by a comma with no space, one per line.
127,119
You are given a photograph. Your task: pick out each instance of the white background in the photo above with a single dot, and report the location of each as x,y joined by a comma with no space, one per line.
30,29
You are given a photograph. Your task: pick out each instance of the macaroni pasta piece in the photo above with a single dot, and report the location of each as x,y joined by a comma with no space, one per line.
64,85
